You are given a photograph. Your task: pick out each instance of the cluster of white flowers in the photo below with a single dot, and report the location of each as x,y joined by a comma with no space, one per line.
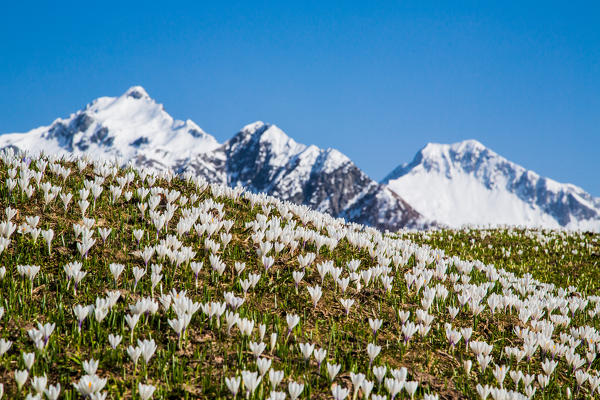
175,235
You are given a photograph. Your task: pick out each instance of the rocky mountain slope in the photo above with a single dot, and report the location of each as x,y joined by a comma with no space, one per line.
262,158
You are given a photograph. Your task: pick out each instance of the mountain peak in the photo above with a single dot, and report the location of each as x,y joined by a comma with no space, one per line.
254,127
471,143
263,158
136,92
468,183
272,135
462,147
132,126
467,155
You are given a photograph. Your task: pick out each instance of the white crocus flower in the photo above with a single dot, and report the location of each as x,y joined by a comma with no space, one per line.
134,353
372,351
315,294
357,380
375,324
90,366
104,233
275,377
138,273
297,275
148,349
516,376
114,340
295,389
28,360
233,384
48,235
196,267
411,388
347,303
132,320
52,392
292,320
306,349
239,267
5,345
38,383
333,370
251,381
230,320
338,392
548,366
367,387
116,270
21,377
89,384
263,365
257,348
320,355
146,391
393,386
379,373
467,365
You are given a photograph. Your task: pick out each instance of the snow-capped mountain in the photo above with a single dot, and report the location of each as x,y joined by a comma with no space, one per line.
467,183
262,158
133,127
462,183
130,127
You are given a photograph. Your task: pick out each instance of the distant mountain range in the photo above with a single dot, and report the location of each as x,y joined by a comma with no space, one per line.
445,185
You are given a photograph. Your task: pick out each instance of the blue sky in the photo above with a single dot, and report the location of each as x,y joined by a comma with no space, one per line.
376,80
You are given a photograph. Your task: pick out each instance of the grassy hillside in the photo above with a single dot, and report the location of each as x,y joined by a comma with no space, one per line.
221,288
560,257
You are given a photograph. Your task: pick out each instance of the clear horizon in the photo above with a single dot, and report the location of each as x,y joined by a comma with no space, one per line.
375,83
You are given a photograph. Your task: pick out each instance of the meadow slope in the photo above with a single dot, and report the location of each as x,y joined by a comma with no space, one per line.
126,283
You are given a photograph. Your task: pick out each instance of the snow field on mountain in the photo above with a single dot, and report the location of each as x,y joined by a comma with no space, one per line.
463,200
466,183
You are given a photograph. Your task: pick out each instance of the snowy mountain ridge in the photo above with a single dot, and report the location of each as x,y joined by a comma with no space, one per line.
467,183
130,127
261,157
454,185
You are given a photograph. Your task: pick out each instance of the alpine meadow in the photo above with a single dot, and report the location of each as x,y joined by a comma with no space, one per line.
128,282
300,200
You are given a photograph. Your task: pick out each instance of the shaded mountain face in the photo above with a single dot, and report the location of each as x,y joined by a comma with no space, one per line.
262,158
467,183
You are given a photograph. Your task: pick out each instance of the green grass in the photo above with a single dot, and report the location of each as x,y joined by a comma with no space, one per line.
563,258
196,366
